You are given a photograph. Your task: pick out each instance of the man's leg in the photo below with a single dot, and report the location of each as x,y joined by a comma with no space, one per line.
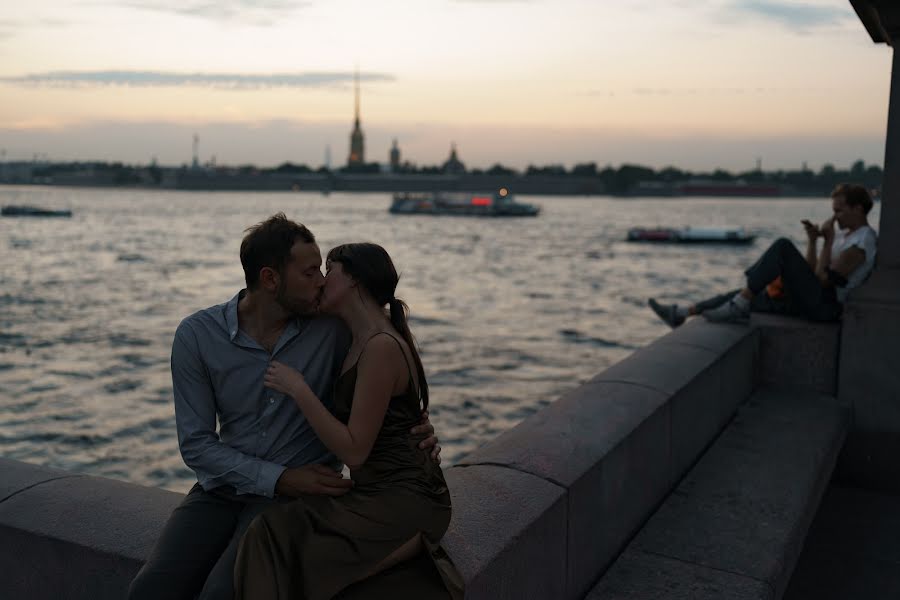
713,302
804,292
781,259
220,583
190,544
674,315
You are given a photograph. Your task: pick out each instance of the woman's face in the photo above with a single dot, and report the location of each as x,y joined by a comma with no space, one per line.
337,287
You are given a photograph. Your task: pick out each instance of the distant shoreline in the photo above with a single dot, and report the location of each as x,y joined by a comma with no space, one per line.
352,183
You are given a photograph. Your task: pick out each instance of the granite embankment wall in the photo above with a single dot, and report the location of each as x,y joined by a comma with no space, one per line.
539,512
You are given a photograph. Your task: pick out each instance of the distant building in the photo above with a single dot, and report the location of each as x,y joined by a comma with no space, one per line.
357,146
395,157
453,166
195,160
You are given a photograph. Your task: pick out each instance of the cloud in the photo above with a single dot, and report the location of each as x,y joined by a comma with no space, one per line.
799,17
228,81
9,27
254,12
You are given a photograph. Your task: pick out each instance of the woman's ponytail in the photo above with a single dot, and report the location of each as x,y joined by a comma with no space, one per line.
399,311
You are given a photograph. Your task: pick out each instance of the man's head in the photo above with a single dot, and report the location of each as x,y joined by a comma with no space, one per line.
281,257
850,203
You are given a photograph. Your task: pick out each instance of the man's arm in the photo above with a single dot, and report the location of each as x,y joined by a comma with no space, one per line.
824,265
812,234
214,462
847,261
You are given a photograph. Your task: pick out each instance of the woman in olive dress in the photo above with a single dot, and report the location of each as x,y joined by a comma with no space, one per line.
317,546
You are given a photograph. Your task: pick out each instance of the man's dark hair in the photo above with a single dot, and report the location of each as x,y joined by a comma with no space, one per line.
268,244
854,195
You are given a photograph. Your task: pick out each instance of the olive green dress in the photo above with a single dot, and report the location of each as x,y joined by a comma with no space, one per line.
316,546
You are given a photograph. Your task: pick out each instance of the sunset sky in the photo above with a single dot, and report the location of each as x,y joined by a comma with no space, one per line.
697,84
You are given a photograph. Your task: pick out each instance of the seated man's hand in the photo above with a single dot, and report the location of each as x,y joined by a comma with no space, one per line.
312,479
431,441
812,231
827,230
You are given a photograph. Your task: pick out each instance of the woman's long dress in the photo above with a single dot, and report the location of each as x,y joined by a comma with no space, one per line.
316,546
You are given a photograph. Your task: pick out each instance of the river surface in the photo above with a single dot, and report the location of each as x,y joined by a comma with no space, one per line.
509,313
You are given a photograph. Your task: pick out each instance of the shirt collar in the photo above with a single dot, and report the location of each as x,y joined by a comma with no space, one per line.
231,314
294,327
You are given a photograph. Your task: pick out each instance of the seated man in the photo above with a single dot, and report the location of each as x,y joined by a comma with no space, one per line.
784,281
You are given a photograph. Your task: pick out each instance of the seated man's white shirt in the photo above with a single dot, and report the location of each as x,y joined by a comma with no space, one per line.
866,240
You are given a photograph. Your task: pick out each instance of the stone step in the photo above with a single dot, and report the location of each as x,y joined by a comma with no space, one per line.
734,527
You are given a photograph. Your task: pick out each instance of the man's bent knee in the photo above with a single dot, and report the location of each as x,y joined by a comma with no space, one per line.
782,243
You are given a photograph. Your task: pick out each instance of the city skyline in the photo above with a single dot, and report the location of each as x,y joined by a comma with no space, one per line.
696,85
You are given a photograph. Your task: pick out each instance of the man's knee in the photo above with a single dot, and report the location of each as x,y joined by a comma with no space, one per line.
782,244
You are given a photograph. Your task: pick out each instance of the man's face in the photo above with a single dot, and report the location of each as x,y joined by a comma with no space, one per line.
301,280
844,214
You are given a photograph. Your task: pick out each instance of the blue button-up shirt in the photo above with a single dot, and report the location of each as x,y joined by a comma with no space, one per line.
217,371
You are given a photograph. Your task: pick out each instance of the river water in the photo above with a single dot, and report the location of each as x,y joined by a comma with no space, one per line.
509,313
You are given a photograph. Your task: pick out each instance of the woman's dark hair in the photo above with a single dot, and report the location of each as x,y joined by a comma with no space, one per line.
372,268
854,195
268,244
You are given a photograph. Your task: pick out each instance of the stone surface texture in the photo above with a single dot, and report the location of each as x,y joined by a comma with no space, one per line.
508,533
641,576
797,353
870,362
746,506
75,536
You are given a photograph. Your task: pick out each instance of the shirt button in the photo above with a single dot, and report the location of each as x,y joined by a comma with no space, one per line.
263,434
271,400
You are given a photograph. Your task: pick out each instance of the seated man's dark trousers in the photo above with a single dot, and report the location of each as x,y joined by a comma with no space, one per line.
194,556
804,295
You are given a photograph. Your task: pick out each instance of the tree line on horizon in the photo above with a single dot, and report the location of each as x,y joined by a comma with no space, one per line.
616,180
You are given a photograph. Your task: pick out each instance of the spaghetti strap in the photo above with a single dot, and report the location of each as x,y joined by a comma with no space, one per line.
412,386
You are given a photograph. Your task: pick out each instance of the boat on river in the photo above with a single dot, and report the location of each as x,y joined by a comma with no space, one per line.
493,204
691,235
13,210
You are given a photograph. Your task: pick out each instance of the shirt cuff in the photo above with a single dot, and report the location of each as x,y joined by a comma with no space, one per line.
267,478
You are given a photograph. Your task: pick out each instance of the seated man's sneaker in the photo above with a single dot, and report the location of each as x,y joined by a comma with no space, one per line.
667,312
730,312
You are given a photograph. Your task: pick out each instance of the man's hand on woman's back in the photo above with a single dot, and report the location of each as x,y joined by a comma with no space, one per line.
431,441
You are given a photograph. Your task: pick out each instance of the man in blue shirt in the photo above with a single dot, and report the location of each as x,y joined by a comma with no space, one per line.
264,450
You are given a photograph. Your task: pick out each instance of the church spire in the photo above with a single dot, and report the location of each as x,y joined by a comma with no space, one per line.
357,152
356,92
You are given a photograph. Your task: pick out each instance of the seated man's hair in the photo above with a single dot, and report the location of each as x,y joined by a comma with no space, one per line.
268,244
854,195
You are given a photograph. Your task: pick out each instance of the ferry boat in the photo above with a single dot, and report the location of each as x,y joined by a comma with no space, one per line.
12,210
496,204
691,235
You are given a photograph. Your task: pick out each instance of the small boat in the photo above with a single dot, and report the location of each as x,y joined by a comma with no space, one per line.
691,235
496,204
13,210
